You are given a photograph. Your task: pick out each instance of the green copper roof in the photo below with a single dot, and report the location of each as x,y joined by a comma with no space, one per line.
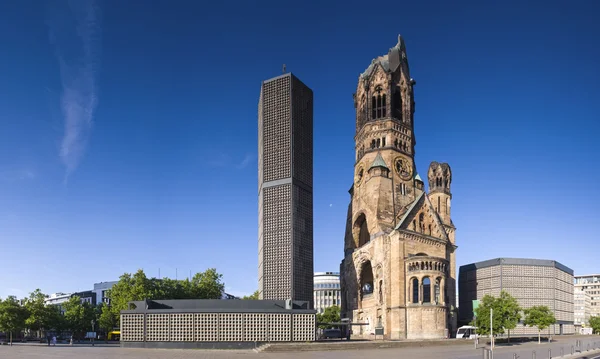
379,162
417,177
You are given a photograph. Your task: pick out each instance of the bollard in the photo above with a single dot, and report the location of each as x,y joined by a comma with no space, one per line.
572,350
562,351
549,353
533,355
588,348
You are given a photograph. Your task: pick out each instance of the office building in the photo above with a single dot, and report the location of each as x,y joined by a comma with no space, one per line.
327,291
101,290
583,308
590,284
532,282
285,190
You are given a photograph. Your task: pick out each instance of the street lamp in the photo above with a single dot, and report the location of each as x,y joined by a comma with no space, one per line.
93,334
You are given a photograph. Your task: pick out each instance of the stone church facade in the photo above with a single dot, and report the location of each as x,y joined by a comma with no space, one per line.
399,266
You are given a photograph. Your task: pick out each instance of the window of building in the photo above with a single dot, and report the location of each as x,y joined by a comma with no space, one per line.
426,290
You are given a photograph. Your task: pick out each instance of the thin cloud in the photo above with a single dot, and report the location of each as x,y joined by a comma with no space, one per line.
75,32
224,160
12,175
245,162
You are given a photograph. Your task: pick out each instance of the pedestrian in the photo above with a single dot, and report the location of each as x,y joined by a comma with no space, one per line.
54,340
48,339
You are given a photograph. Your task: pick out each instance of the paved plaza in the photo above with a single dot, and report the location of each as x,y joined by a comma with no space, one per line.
523,351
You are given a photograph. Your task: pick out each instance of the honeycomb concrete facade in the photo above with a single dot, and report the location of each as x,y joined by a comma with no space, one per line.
215,323
285,193
530,281
399,267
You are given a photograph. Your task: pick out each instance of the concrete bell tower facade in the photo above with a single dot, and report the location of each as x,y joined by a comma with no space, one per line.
398,266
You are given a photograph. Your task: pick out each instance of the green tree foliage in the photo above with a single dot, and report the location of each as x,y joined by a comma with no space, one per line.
56,320
508,309
539,316
595,324
107,321
506,315
253,296
329,315
40,315
203,285
78,316
12,316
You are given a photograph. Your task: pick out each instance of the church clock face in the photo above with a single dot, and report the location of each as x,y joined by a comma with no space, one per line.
403,168
360,174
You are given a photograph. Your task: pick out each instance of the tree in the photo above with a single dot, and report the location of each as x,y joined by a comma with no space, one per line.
482,320
506,315
12,316
56,319
203,285
539,316
39,314
330,315
78,315
508,310
207,285
595,324
107,320
253,296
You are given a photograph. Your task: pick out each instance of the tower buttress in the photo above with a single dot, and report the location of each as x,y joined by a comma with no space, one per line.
440,195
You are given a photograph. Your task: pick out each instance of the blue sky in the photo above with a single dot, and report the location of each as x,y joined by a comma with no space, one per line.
128,130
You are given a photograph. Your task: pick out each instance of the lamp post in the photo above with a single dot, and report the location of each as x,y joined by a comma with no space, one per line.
93,334
492,328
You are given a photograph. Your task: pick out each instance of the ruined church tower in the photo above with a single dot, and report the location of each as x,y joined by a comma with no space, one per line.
398,271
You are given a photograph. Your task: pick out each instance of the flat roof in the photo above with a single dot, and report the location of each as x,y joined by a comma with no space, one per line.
515,261
216,306
587,275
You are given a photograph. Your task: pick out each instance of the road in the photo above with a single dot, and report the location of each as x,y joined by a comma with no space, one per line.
523,351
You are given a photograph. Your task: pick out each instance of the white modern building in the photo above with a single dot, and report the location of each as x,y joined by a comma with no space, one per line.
101,290
57,299
326,291
583,308
590,284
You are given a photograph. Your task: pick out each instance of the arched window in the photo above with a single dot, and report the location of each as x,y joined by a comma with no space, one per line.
426,290
366,279
397,104
378,143
436,291
415,290
374,108
378,105
396,143
360,231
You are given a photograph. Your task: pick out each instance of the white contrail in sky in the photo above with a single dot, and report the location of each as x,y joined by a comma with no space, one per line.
75,32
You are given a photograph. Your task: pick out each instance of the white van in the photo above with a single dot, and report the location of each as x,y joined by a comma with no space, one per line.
466,332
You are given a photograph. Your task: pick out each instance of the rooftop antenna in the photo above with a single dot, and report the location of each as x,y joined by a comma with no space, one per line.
283,68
